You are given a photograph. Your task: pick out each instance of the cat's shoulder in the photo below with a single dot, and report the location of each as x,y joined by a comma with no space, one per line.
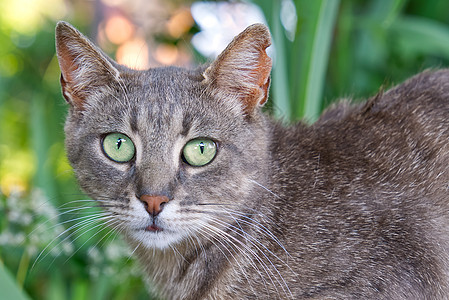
423,94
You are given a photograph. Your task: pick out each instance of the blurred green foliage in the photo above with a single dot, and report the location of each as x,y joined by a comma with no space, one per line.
340,48
351,48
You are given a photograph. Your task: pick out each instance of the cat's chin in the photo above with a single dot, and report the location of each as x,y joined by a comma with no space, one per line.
153,237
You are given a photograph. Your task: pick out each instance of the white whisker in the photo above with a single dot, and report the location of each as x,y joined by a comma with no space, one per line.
254,223
112,230
214,235
244,235
132,252
175,250
247,250
81,226
265,188
91,237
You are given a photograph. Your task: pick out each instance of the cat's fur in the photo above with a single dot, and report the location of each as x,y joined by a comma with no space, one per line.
355,206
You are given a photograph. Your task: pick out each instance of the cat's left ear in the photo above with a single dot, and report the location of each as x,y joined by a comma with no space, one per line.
85,69
243,69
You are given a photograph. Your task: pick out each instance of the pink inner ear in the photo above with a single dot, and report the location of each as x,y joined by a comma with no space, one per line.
66,61
265,88
264,69
70,96
258,95
68,69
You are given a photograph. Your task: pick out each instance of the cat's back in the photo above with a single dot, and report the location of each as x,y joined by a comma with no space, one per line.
397,142
404,128
367,188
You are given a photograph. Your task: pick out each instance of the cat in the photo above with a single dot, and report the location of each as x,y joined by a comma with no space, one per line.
220,201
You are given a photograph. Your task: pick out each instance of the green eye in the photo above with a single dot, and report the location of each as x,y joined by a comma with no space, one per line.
118,147
199,152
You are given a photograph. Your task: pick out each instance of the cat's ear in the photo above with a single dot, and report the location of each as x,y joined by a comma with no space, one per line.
85,70
243,69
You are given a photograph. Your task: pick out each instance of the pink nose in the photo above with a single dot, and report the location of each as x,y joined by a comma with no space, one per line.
154,204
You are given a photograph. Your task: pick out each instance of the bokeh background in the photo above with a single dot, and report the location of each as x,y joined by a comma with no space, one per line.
51,246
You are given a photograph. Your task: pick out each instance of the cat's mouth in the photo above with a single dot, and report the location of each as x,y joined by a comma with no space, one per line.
156,234
153,228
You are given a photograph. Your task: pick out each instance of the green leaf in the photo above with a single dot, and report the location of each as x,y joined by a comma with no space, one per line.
281,99
316,21
421,35
280,92
8,287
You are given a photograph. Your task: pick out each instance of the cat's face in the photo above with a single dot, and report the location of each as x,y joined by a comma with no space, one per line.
192,138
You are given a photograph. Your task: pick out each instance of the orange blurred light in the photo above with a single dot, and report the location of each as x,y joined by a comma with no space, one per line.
180,23
166,54
133,54
118,29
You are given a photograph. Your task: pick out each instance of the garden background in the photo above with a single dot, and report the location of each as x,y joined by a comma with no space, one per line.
50,247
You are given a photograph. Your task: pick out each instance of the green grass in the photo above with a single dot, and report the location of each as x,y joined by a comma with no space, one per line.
9,287
340,48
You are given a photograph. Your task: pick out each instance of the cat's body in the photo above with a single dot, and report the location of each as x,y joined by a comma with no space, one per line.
355,206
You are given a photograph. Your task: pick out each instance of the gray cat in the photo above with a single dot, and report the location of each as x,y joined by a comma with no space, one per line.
221,202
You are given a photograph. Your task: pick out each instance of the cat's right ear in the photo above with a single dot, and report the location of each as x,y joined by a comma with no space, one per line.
85,70
242,70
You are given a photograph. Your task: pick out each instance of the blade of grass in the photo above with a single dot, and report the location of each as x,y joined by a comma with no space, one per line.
23,268
385,11
57,287
422,35
80,289
341,63
40,142
280,93
8,287
372,49
316,21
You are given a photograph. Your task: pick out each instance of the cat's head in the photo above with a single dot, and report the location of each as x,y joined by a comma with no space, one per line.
170,153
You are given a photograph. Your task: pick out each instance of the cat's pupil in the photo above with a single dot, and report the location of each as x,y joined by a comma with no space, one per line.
119,143
202,147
